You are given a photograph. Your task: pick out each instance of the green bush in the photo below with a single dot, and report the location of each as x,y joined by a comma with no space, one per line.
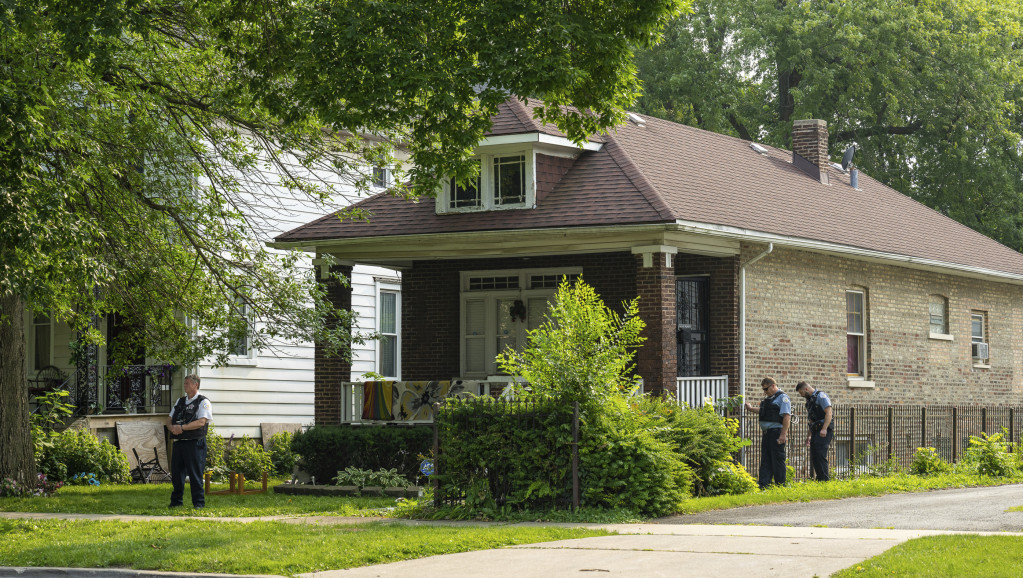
63,455
249,459
926,462
624,465
992,455
281,454
323,451
729,478
704,439
215,460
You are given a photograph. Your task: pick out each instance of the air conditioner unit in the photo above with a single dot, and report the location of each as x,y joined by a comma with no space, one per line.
980,350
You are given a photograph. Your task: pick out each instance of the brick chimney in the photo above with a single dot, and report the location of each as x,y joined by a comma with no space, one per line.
810,148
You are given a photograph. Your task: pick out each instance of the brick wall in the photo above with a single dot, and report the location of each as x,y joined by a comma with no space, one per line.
810,141
723,334
330,371
796,330
430,303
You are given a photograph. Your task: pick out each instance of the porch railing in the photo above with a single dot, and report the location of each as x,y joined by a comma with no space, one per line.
695,390
127,388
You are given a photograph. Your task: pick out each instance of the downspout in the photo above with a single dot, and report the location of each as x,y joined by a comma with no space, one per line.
742,317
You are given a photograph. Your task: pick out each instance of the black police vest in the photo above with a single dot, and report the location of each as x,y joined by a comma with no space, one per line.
815,412
186,414
769,411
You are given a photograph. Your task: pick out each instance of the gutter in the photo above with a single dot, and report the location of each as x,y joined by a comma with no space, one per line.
742,317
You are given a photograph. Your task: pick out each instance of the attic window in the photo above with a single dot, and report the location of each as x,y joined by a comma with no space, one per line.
505,181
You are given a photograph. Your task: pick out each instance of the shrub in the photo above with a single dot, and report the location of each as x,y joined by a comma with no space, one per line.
75,451
927,462
281,454
249,459
384,478
704,439
215,459
323,451
729,478
992,455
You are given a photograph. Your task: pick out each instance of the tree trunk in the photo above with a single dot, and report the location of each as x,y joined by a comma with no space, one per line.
16,459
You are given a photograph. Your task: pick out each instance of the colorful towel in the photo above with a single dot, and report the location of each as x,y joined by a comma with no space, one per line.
376,400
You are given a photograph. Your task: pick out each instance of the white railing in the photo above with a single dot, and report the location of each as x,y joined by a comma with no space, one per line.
695,390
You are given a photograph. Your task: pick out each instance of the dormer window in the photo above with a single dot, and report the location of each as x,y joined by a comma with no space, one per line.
505,181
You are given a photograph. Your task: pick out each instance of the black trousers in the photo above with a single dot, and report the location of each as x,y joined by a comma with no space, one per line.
188,459
772,459
819,453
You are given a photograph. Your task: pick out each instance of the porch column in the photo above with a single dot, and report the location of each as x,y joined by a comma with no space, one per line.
330,371
656,360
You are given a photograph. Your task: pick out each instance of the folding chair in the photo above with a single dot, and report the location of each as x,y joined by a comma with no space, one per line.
146,469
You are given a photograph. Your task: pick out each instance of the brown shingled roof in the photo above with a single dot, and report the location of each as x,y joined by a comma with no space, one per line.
663,172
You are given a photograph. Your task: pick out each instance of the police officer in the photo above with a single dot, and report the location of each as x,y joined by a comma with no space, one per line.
188,424
822,428
775,413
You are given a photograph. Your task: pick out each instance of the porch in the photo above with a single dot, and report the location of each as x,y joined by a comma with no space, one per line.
108,389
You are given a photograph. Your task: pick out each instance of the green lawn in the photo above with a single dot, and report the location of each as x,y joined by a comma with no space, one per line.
864,486
952,556
152,500
253,548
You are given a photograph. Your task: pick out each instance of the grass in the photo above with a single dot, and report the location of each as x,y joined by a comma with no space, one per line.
253,548
835,489
152,500
946,556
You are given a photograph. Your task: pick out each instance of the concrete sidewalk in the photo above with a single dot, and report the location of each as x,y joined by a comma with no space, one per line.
654,550
640,550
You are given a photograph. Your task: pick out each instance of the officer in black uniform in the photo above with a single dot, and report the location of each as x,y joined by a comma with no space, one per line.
775,414
188,424
822,428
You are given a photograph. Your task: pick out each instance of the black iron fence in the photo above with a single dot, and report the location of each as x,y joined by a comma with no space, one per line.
516,453
870,436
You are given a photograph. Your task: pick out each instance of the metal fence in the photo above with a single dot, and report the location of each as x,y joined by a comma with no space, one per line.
868,436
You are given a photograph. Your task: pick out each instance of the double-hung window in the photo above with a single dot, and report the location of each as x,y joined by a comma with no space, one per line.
381,177
978,337
498,309
855,313
389,318
504,181
239,339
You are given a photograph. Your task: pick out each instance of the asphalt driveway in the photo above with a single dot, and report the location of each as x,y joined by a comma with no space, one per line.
967,509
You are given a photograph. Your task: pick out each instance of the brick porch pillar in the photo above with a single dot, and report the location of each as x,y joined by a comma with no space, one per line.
656,360
330,371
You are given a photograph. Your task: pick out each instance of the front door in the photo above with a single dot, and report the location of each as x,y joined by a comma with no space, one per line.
691,327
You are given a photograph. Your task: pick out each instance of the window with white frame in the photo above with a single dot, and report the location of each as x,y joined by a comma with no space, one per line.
978,336
381,177
389,328
42,341
240,345
505,181
498,309
856,323
938,313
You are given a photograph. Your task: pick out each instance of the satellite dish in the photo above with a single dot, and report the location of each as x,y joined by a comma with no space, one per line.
847,157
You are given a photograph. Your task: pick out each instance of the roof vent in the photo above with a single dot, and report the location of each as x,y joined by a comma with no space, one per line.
758,148
636,119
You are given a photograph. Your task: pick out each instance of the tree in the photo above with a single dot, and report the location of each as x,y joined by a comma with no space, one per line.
134,132
930,91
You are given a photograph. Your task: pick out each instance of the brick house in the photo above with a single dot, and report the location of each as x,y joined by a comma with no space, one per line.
748,261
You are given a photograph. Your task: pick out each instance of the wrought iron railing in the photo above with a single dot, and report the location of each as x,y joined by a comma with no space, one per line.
119,388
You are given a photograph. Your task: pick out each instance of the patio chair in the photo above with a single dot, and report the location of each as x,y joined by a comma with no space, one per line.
146,469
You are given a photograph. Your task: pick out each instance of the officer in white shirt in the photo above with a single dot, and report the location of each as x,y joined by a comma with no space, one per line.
189,420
